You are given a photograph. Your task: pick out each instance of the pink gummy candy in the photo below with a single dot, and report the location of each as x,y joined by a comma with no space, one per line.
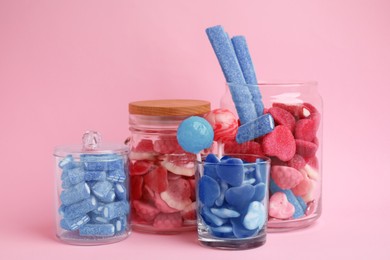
282,117
140,167
162,205
250,147
280,143
144,145
178,194
157,179
305,148
279,207
189,212
286,177
224,124
168,220
145,211
306,129
297,162
167,145
303,187
136,184
313,162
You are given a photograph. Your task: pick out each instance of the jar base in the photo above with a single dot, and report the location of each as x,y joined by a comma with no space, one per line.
152,230
239,244
278,226
73,238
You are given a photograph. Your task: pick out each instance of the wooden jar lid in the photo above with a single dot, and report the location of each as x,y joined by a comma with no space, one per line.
169,107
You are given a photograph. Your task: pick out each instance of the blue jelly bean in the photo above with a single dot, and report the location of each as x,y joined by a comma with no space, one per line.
211,158
75,194
210,170
224,212
208,190
239,197
231,171
255,217
211,219
223,186
224,231
195,134
101,230
260,190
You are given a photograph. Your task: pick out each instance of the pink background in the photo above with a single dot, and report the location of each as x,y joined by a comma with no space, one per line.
69,66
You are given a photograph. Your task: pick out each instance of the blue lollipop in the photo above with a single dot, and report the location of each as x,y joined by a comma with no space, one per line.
195,134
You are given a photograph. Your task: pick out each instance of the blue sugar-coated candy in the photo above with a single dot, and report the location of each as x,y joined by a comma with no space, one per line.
223,186
299,212
64,174
244,59
76,223
110,197
120,224
262,169
116,176
66,184
231,171
61,210
95,162
98,219
255,217
116,163
80,208
225,54
224,212
260,190
302,203
94,175
99,230
240,231
116,209
211,219
211,158
64,225
120,191
252,172
67,162
208,190
195,134
242,99
255,128
240,197
101,189
76,175
75,194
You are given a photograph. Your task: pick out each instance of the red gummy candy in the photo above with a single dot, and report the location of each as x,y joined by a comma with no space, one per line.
250,147
162,205
148,195
303,187
189,212
145,211
140,167
313,162
145,145
305,148
136,183
286,177
297,162
168,145
178,194
280,143
306,129
168,220
282,117
157,179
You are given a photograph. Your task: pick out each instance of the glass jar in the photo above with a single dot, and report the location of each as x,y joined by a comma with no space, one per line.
232,199
295,149
92,205
162,174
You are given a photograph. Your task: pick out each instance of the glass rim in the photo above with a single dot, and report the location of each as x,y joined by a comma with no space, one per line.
264,159
280,83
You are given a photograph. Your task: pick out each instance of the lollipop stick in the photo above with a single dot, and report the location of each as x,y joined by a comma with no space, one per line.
220,149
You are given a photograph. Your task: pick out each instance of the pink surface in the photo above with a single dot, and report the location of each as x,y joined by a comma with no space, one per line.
69,66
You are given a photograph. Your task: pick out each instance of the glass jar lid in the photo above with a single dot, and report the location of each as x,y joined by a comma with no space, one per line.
169,107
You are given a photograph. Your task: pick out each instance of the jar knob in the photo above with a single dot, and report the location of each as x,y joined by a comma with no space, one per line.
91,140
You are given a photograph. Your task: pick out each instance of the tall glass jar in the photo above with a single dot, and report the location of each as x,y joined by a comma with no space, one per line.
162,174
295,149
92,202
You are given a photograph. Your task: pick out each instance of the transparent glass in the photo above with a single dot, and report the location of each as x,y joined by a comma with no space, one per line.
92,200
162,176
232,201
303,104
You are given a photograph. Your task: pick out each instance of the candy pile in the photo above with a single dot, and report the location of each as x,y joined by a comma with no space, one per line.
94,197
231,195
162,185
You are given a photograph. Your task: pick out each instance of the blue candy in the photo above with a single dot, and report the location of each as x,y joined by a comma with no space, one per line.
211,219
208,190
76,175
76,223
224,212
239,230
102,230
255,217
64,225
120,224
67,162
80,208
94,175
223,186
98,219
210,166
116,176
222,231
239,197
260,190
255,128
231,171
96,162
211,158
242,99
120,191
110,197
75,194
302,203
101,189
116,209
115,164
195,134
